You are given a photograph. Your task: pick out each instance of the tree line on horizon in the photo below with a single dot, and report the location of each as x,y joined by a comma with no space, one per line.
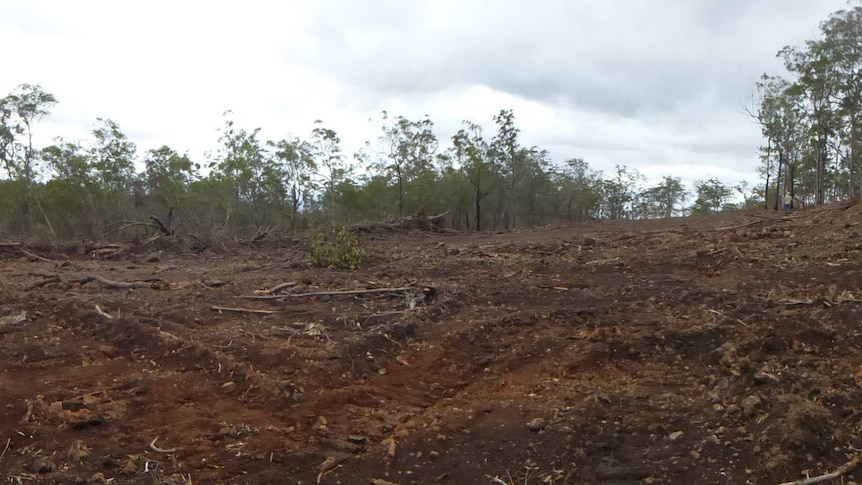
482,180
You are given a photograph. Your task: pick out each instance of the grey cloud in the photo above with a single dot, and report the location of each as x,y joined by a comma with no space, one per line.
626,58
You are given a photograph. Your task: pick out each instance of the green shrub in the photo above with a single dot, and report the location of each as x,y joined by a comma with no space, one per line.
338,251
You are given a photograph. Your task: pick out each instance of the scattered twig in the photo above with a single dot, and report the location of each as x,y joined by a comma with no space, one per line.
797,302
329,464
242,310
8,440
264,268
722,315
331,293
252,335
104,313
120,285
250,387
162,450
18,478
126,225
842,470
739,226
36,256
367,318
602,261
275,288
769,218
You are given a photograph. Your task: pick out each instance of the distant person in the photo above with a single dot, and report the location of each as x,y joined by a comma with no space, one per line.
788,203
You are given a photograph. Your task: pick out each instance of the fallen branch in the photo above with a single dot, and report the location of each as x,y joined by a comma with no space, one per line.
275,288
162,450
8,440
842,470
252,335
798,302
769,218
36,256
120,285
104,313
602,261
265,268
126,225
740,226
242,310
332,293
163,228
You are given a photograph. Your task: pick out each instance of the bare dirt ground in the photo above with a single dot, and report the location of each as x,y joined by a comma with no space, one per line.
715,351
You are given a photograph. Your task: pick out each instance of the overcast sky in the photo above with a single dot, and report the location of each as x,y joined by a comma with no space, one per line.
657,85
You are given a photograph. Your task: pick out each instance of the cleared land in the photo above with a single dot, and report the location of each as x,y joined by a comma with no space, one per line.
714,350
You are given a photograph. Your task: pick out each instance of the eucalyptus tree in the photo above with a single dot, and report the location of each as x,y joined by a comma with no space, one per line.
167,175
816,84
505,147
293,161
472,154
785,126
712,196
112,156
19,111
332,170
664,198
575,190
842,46
409,148
617,194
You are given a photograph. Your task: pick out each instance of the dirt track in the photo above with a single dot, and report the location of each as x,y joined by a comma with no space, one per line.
616,353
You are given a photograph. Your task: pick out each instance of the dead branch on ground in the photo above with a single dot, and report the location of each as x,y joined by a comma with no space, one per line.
842,470
162,450
242,310
8,440
740,226
371,291
163,228
36,256
126,225
275,288
252,335
265,268
415,222
104,313
770,218
120,285
154,283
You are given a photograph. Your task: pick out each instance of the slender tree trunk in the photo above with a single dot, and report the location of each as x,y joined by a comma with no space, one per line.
778,179
852,161
400,193
768,169
478,209
791,171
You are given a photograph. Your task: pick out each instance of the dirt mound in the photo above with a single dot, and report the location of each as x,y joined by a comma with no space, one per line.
702,350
